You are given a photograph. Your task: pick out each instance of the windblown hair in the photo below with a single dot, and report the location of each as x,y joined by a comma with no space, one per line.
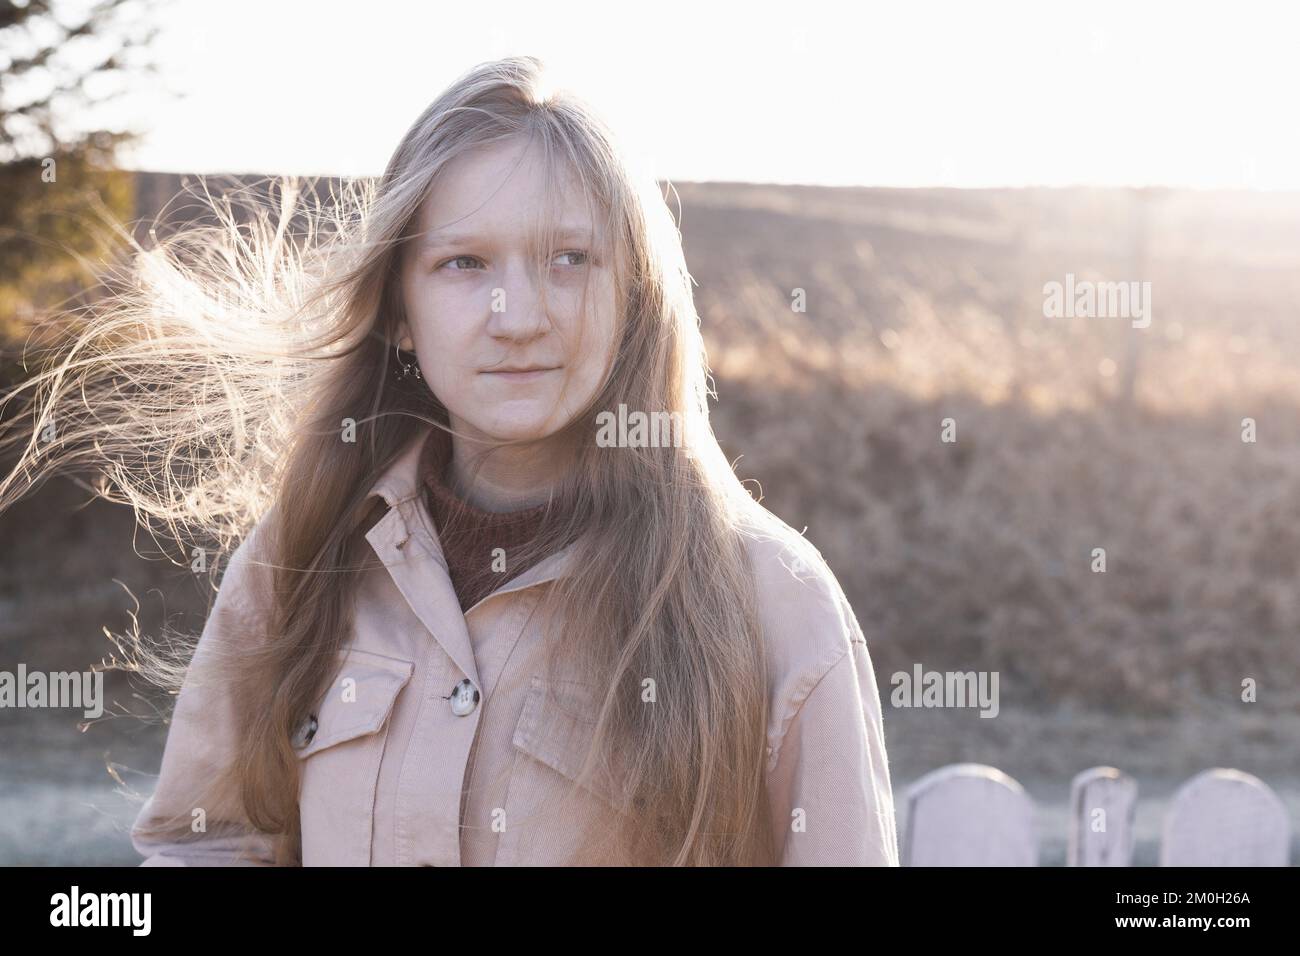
209,388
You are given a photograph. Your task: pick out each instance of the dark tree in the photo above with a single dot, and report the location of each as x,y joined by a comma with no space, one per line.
60,66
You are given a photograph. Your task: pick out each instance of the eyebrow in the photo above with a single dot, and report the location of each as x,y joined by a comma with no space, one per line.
437,238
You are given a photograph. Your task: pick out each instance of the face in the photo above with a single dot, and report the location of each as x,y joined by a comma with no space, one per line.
505,365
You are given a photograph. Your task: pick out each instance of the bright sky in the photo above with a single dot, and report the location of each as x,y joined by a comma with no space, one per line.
900,93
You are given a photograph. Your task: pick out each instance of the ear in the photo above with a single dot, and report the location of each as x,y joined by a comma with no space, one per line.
404,340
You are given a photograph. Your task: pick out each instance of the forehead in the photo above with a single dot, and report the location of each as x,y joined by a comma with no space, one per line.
499,192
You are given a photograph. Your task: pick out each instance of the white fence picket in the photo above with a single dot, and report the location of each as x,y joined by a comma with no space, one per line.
1226,818
968,815
1102,804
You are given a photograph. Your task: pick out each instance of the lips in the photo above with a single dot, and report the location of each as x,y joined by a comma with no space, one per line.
523,374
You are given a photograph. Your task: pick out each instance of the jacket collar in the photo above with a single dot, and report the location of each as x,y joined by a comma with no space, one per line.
401,479
406,540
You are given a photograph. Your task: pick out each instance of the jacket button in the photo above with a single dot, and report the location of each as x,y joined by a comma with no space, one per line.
464,698
306,731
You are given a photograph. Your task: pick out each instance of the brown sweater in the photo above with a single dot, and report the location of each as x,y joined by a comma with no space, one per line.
470,535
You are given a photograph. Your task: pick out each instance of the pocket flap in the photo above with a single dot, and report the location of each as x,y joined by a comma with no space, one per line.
359,700
556,727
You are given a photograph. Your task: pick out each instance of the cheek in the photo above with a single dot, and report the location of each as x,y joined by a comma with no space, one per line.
443,344
592,339
586,374
603,344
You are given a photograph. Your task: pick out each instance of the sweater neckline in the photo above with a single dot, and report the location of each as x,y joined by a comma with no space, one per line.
435,464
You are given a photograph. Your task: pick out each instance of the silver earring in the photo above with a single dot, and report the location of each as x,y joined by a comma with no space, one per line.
409,369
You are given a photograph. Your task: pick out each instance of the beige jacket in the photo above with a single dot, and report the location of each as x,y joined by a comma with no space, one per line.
440,743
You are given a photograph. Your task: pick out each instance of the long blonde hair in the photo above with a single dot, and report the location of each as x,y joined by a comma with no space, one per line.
209,388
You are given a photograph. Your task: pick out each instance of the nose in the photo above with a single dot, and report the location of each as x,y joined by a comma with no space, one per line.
517,313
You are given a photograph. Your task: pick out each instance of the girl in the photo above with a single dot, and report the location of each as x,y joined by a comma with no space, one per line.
457,629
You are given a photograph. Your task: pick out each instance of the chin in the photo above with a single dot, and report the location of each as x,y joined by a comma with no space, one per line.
519,428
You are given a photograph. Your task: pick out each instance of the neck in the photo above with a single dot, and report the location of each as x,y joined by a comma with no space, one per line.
504,477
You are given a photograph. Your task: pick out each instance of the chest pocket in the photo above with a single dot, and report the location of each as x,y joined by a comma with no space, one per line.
340,746
551,816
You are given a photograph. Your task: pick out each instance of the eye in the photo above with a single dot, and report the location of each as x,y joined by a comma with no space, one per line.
580,255
459,262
